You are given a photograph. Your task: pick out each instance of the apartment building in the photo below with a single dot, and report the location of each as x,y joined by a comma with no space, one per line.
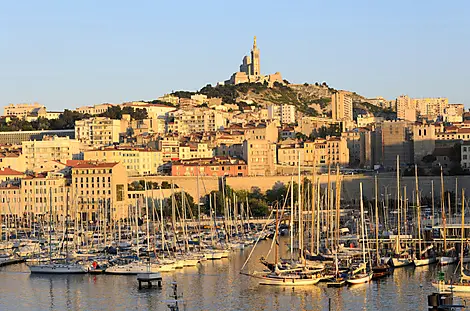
94,110
38,190
260,155
341,106
137,161
186,121
194,151
330,151
51,148
465,155
288,153
216,166
283,113
394,138
98,131
100,190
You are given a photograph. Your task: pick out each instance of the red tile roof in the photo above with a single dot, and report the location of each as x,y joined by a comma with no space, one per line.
8,171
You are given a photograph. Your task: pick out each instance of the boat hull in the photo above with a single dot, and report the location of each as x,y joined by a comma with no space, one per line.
57,269
360,280
278,281
447,260
456,287
424,262
401,262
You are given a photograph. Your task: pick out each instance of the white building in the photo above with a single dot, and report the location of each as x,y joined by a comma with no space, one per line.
38,152
98,131
284,113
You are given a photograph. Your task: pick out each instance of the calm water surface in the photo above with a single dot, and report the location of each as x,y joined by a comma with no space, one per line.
213,285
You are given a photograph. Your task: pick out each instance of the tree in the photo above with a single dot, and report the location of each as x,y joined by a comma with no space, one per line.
428,159
258,207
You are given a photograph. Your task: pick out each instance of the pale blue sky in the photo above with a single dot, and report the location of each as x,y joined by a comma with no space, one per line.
66,54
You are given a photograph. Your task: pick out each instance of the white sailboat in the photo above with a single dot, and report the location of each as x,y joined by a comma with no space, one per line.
54,267
463,285
366,276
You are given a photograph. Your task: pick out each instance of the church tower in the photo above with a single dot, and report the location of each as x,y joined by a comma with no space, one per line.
255,59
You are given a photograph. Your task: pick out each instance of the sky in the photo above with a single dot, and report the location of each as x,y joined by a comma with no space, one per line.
66,54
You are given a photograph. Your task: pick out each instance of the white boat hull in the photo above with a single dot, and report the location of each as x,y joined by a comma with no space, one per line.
447,260
360,280
57,269
278,281
424,262
133,268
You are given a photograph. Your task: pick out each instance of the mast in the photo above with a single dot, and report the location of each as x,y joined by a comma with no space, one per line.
376,222
362,226
275,234
313,207
291,218
398,197
338,202
50,225
443,212
418,204
462,233
319,215
148,225
432,201
301,236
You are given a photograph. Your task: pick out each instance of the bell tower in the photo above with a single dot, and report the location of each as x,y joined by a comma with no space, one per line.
255,59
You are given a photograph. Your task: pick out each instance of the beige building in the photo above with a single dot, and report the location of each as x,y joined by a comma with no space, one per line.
194,151
21,110
332,150
465,155
99,131
406,108
394,138
38,152
260,155
137,161
431,107
13,160
94,110
193,120
100,190
284,113
365,120
10,175
341,106
37,192
288,153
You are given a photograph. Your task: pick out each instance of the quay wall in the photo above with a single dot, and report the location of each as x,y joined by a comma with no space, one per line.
350,184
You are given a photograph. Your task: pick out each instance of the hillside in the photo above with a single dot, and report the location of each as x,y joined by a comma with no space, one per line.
310,99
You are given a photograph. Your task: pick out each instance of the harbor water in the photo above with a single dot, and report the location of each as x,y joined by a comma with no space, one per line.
212,285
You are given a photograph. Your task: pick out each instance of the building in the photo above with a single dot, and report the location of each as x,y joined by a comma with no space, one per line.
216,166
323,152
38,191
10,201
137,161
341,106
431,107
406,108
260,155
194,151
288,153
454,113
284,113
186,121
21,111
10,138
394,139
424,140
10,175
365,120
100,190
98,131
250,71
51,148
94,110
465,155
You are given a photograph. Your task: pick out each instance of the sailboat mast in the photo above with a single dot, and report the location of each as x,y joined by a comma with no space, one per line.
291,218
376,221
50,225
313,207
418,205
462,233
362,226
398,196
338,202
443,212
301,236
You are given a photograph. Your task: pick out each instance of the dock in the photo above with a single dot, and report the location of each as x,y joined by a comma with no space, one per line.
149,278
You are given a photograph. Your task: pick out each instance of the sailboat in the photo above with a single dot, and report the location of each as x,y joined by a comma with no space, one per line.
380,269
423,256
366,276
449,256
53,267
463,285
402,258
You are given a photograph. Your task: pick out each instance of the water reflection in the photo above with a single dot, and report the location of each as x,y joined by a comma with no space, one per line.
214,285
